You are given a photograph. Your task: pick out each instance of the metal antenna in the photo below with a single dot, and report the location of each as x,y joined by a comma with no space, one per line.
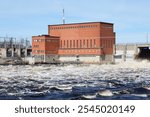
63,16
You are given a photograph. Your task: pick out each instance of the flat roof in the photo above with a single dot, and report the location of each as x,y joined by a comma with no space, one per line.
46,36
80,23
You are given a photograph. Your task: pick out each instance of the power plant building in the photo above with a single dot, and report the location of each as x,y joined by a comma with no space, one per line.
91,42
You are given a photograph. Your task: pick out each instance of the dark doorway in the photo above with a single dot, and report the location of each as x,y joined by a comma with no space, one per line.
144,53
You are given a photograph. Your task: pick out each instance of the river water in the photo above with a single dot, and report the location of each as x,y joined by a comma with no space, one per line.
122,81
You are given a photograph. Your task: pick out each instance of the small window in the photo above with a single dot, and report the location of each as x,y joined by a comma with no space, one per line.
84,44
67,44
77,43
73,43
87,44
80,43
91,43
94,43
70,43
61,44
64,43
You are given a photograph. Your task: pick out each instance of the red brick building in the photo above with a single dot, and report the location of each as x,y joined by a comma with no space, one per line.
87,42
45,47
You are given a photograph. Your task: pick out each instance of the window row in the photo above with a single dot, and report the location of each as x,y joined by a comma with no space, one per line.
91,43
73,27
43,40
36,46
81,51
43,51
39,51
107,43
50,40
38,40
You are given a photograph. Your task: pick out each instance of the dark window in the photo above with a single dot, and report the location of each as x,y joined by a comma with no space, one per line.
84,43
73,43
91,43
80,43
70,43
94,43
87,44
64,43
67,44
61,44
36,46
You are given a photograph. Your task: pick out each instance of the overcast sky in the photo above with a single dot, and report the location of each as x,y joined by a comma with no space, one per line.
25,18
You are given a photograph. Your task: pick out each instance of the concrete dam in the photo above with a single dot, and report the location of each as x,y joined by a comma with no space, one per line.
128,52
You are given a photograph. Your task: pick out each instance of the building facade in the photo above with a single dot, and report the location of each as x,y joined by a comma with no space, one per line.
45,48
90,42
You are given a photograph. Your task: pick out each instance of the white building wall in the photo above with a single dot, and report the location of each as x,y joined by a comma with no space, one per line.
45,58
124,53
87,59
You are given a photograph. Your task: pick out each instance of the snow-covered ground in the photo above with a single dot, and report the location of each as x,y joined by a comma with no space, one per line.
127,80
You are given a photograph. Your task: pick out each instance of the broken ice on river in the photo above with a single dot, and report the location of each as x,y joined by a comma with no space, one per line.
127,80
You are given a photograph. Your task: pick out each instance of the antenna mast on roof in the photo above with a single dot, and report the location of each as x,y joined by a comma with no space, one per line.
63,16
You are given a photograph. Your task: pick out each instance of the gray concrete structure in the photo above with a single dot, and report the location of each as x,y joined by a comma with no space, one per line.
87,58
10,50
128,52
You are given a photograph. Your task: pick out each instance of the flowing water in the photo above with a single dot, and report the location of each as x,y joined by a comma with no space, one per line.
128,80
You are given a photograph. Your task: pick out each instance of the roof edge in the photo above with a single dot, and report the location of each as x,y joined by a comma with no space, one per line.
80,23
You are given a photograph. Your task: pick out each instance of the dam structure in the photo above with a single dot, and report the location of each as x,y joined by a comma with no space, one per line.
131,51
14,52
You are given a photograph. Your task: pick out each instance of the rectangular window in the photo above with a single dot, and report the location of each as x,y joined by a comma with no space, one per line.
87,44
67,44
38,51
91,43
84,44
64,43
61,44
73,43
36,46
77,43
70,43
80,43
94,43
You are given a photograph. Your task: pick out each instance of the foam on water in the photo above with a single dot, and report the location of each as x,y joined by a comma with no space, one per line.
69,80
105,93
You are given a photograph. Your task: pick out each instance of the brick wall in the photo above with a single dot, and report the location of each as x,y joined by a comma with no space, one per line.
85,38
42,45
